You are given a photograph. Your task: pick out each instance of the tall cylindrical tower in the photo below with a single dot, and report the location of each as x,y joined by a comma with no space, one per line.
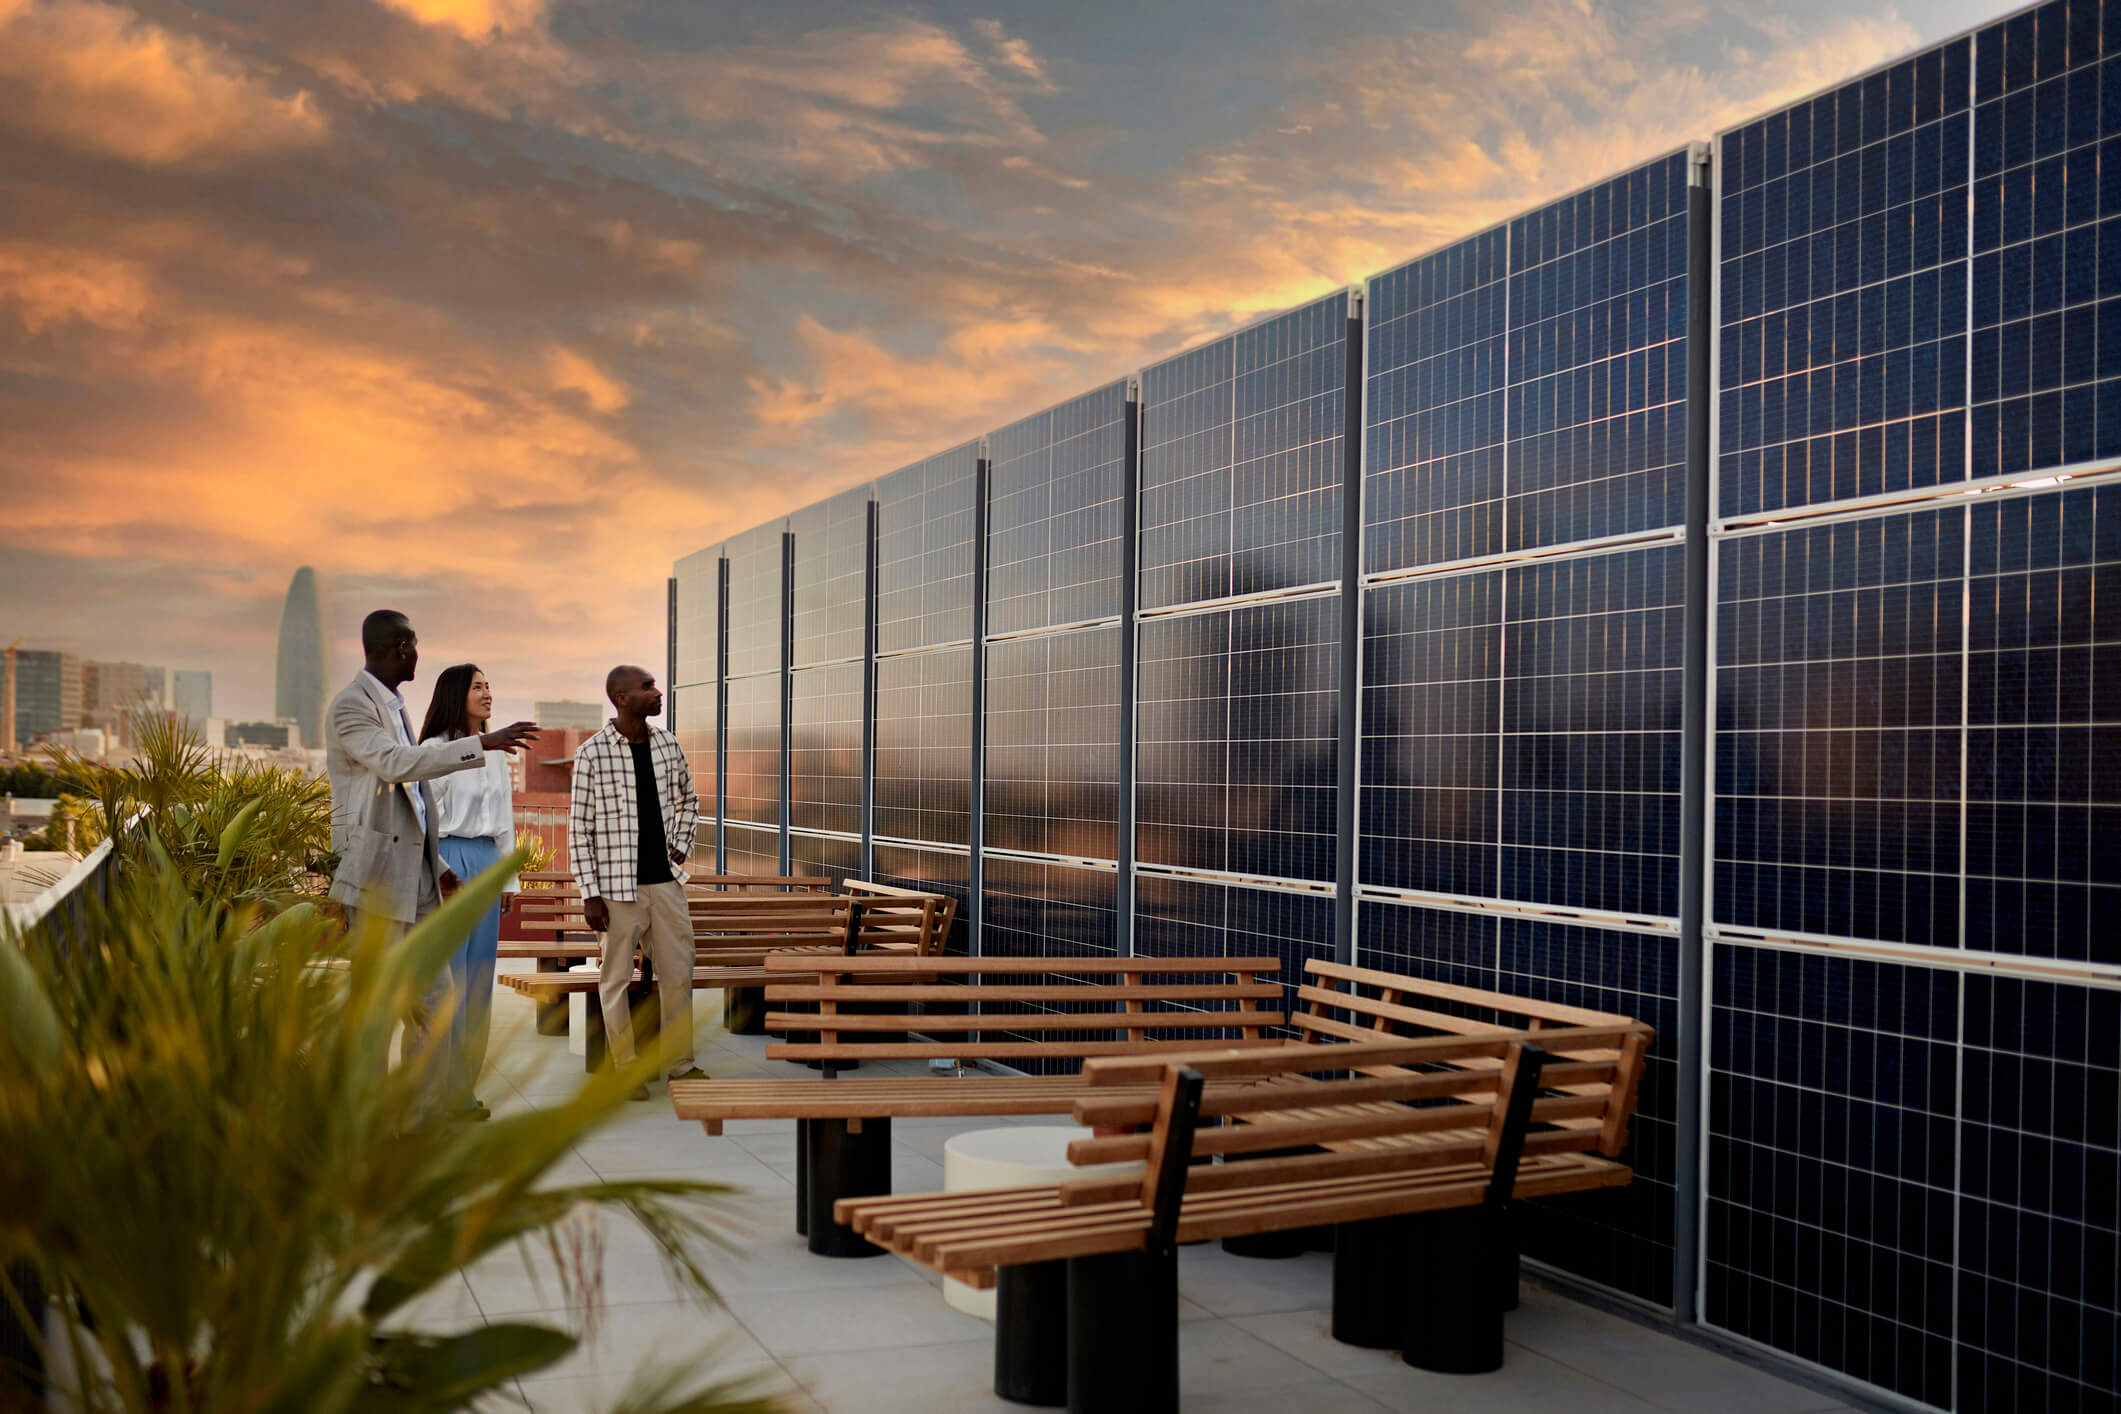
298,684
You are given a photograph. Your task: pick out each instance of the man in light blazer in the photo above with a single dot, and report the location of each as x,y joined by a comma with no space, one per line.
382,814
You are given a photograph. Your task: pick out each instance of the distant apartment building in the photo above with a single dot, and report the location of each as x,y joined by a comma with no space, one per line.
112,692
284,734
194,696
563,715
47,693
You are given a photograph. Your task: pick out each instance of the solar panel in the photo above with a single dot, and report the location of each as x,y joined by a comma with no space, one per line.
825,749
1033,908
755,574
1838,746
837,857
1241,461
2046,241
754,765
695,723
1521,733
1176,917
1526,387
1053,727
699,607
1830,1226
1237,722
830,592
927,523
1056,483
1622,1239
938,871
1844,291
752,851
924,746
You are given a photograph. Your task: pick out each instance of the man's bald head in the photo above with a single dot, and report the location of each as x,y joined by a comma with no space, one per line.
623,679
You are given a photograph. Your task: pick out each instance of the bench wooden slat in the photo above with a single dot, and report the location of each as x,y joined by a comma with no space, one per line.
1082,991
1068,966
1016,1021
989,1050
1471,996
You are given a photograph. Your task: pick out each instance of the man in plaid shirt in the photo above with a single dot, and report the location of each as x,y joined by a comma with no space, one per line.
630,831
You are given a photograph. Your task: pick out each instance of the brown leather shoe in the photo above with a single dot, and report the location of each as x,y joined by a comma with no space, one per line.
693,1074
640,1092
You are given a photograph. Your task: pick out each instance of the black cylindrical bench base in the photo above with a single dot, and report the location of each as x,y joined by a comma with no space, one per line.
1031,1334
744,1011
843,1165
1370,1279
1454,1319
1271,1245
1123,1333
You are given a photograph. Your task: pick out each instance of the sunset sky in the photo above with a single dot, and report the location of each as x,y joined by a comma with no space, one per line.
490,309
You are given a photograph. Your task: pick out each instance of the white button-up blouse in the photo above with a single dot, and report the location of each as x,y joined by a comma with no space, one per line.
481,802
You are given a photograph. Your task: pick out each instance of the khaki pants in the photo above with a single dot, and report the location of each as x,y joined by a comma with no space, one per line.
660,922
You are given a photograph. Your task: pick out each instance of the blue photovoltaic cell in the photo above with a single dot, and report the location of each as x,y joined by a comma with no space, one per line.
2043,740
1433,406
927,522
924,746
1621,1238
1838,684
752,851
754,745
1056,487
699,608
831,588
755,574
1034,909
1237,722
1832,1136
936,871
1527,386
2039,1197
1203,918
1053,726
836,857
2047,240
1843,290
1521,733
1242,460
1596,419
825,749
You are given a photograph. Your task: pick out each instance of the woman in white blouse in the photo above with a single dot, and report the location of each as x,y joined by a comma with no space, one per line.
475,817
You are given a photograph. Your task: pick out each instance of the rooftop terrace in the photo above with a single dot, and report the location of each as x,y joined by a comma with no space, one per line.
874,1336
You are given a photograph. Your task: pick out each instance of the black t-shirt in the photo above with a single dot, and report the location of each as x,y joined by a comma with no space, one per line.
655,849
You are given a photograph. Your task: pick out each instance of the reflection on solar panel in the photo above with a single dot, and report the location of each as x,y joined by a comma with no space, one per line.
1622,1239
1844,291
754,764
1838,741
755,575
695,723
1831,1147
1238,728
1053,724
1527,386
1205,918
825,749
924,746
1034,909
699,608
937,871
751,851
830,590
1521,733
1241,460
926,525
836,857
1056,483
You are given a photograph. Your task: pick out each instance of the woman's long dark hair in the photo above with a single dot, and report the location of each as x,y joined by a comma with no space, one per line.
447,716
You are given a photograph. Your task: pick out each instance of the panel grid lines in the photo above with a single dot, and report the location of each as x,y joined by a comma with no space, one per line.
830,591
1056,486
825,748
1052,744
927,523
754,750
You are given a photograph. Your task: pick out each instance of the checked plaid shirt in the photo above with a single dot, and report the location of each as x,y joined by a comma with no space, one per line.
603,826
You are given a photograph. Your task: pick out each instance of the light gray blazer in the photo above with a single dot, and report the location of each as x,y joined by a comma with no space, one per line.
374,829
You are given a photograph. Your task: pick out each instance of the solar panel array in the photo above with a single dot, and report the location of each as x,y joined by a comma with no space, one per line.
1906,699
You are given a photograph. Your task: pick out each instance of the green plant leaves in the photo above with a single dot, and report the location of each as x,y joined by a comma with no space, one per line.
232,835
423,1372
27,1023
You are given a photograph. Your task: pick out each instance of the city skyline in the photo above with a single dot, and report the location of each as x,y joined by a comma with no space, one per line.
506,409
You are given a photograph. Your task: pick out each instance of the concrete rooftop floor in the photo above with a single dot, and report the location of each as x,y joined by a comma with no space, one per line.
874,1336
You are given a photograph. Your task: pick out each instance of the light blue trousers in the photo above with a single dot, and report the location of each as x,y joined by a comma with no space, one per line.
470,974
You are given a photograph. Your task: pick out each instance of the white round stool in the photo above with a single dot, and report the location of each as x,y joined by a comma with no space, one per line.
578,1005
1017,1156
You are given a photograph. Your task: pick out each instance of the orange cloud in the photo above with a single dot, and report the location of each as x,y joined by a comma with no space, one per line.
474,19
101,78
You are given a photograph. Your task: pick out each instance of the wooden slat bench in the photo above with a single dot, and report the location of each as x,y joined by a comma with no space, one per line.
1409,1146
1029,1009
